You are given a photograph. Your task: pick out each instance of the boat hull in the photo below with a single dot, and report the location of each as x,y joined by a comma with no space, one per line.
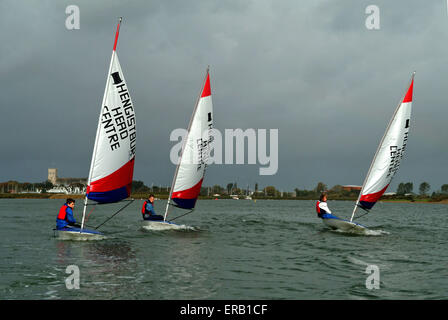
77,235
337,223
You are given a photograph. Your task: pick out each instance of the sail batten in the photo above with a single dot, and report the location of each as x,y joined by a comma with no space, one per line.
388,156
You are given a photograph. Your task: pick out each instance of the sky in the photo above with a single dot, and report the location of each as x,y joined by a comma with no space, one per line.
311,69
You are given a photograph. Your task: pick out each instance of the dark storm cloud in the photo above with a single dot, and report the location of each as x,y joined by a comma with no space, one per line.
310,69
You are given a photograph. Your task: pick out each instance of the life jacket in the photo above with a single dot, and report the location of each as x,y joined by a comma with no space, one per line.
144,207
62,213
319,211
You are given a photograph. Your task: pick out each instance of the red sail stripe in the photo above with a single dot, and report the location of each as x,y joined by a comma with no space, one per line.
206,91
191,193
408,97
373,197
118,179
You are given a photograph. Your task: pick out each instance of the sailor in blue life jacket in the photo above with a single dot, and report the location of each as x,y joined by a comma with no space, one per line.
322,207
148,210
65,217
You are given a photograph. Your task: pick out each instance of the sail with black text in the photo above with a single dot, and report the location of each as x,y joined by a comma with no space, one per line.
113,157
112,165
384,166
195,152
388,156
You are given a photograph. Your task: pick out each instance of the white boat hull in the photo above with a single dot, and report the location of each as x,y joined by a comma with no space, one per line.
343,225
76,235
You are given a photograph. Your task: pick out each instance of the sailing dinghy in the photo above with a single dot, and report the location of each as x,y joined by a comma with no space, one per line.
112,164
384,166
190,169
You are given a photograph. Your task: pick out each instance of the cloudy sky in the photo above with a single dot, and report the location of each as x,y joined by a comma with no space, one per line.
310,69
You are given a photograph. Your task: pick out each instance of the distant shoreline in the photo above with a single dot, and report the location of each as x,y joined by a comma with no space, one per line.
138,196
415,201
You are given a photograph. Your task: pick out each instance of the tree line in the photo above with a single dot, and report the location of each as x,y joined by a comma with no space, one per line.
405,190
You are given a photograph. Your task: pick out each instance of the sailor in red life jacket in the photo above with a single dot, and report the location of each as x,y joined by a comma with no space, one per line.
148,210
65,217
321,207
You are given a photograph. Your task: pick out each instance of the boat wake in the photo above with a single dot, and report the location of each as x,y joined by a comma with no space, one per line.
362,232
162,226
371,232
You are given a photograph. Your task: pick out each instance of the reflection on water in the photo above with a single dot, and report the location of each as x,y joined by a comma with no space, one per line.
102,264
97,252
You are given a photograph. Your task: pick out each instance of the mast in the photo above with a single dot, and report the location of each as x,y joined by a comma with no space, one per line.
117,33
184,143
99,122
379,146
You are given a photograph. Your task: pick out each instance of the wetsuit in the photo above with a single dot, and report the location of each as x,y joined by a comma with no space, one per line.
149,213
65,218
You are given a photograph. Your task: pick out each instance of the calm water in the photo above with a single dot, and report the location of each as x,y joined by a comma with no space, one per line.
239,250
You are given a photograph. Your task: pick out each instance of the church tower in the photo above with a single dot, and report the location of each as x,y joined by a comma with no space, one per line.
52,175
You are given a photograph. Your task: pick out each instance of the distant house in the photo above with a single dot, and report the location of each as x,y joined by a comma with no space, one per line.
9,187
58,190
66,185
55,180
351,188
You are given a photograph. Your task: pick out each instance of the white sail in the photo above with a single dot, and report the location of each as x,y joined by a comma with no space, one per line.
388,156
190,171
112,165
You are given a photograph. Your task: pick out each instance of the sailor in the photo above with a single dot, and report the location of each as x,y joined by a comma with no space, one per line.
322,207
148,210
65,217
